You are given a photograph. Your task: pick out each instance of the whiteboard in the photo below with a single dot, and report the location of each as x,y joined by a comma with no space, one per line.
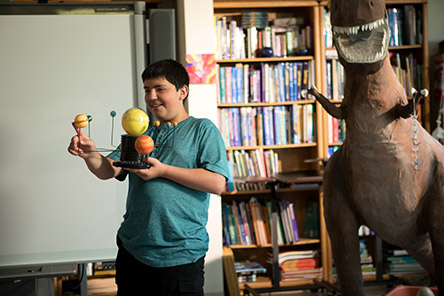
53,67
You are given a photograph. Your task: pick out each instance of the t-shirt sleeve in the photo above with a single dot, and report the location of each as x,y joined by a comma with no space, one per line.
211,150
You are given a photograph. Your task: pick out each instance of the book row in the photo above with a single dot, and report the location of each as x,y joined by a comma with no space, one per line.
271,125
241,164
336,130
263,82
335,79
405,24
408,71
236,42
249,223
406,67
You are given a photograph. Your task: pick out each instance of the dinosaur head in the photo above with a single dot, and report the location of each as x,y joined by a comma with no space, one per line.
361,33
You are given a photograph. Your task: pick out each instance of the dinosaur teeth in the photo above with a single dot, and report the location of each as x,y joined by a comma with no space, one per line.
366,43
355,29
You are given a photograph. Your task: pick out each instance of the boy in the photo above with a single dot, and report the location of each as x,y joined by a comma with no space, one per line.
162,239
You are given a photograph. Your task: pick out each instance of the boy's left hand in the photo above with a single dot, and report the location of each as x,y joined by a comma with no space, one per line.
154,171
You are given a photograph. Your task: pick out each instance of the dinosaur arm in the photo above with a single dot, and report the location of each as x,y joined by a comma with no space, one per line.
406,111
332,109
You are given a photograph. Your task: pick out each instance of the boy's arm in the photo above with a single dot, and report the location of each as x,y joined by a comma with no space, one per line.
102,166
198,179
99,165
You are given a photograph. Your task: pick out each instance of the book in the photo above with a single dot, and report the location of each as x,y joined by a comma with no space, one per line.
293,221
239,223
395,24
295,124
279,228
269,136
226,234
228,85
267,227
292,255
258,221
260,126
409,25
305,78
246,219
230,224
300,264
229,184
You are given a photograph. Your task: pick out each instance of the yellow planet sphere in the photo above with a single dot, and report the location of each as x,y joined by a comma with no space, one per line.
81,121
135,121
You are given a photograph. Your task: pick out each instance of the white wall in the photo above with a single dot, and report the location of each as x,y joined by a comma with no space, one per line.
436,35
435,24
195,36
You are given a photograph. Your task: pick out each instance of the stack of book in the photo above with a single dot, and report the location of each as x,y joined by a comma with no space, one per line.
400,262
247,271
367,266
300,265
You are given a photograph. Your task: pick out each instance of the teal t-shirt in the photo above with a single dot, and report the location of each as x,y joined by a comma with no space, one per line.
164,223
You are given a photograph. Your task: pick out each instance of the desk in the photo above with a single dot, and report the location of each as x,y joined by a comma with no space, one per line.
49,265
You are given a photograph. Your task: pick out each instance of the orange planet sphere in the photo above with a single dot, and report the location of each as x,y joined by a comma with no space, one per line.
144,144
81,121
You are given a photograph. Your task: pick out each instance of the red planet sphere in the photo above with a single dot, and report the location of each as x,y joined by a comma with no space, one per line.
144,144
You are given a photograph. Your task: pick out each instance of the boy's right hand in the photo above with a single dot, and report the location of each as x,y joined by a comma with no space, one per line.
81,145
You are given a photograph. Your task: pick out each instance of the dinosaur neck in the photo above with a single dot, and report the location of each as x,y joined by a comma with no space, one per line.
378,92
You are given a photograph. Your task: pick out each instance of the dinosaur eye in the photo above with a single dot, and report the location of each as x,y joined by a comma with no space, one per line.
371,3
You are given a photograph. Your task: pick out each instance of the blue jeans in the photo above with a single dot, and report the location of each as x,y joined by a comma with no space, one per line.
136,278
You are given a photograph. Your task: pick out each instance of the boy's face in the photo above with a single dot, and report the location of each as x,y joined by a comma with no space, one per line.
164,101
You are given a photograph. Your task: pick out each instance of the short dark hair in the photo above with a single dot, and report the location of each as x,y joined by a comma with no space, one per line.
169,69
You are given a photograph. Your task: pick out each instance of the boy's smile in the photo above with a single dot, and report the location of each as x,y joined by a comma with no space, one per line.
164,101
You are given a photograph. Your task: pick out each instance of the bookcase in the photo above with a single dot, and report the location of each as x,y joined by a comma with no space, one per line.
243,109
409,55
267,52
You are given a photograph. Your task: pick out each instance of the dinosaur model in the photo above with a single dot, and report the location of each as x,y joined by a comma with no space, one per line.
389,172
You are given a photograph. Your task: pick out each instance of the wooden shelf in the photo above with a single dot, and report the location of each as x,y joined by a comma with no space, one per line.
287,146
303,241
221,4
265,283
236,105
267,60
